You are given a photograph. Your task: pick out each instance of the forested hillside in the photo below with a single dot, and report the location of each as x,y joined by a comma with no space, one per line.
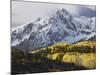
59,57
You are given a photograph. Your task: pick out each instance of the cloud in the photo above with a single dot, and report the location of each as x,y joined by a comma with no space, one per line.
92,7
88,11
23,12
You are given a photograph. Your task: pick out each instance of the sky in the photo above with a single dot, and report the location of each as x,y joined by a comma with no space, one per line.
23,11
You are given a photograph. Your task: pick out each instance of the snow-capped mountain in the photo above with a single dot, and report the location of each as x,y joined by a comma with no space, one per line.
60,27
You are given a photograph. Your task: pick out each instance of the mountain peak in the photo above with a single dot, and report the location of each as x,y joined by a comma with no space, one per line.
59,28
62,12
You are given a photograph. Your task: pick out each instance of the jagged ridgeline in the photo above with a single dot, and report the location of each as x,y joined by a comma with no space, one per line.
59,42
59,57
60,27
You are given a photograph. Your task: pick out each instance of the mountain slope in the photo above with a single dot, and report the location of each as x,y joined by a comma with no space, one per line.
59,57
61,27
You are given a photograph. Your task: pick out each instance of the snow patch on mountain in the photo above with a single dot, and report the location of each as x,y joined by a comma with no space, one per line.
45,31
